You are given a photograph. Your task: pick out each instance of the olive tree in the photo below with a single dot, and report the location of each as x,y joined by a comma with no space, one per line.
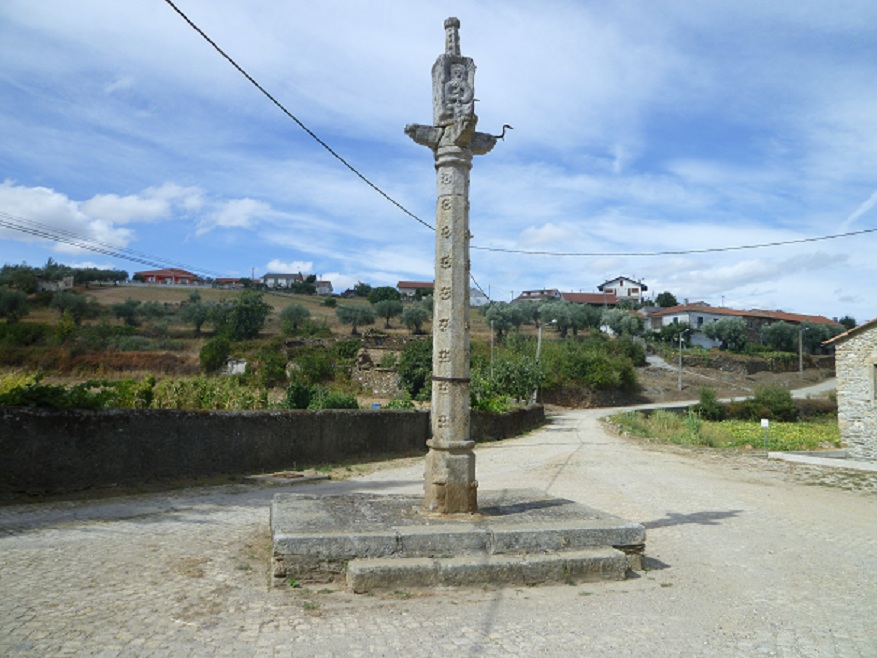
730,332
355,316
292,317
414,317
13,304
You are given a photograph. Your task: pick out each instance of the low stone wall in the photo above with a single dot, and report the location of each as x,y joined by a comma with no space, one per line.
53,451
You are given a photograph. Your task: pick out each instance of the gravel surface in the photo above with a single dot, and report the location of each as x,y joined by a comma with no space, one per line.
745,558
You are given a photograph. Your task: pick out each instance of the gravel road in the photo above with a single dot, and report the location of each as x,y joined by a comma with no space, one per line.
746,558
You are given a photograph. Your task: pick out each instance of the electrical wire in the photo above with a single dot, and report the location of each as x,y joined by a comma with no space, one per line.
63,236
676,252
301,125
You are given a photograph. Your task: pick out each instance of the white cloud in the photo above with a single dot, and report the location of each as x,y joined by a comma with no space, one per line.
41,213
237,213
290,267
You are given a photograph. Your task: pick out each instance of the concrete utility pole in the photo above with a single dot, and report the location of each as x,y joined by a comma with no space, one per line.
450,486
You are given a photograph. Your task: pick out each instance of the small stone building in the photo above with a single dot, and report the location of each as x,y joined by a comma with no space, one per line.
856,363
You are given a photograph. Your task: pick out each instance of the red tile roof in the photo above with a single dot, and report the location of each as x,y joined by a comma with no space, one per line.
596,298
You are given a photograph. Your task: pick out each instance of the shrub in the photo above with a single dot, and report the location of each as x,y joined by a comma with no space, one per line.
401,401
214,355
314,365
271,368
415,368
225,393
24,334
709,407
330,302
770,402
298,394
347,349
323,398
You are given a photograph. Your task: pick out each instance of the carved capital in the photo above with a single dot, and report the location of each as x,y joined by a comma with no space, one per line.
424,135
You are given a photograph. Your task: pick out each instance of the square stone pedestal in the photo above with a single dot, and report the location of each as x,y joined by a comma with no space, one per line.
389,541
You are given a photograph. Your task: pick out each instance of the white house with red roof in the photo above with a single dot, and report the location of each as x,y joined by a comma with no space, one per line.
624,288
699,314
168,276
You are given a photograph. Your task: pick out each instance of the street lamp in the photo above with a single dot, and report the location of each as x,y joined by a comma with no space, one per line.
681,343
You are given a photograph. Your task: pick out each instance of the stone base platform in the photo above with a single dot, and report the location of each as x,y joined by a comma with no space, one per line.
387,541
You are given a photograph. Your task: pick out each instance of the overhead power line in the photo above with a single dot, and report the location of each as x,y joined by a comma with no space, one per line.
675,252
64,236
301,125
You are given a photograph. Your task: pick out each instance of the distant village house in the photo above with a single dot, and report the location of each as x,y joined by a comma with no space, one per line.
169,276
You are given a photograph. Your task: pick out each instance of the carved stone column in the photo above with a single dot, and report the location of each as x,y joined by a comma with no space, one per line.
450,486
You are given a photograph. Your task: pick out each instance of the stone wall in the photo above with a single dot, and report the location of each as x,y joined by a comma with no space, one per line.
856,361
53,451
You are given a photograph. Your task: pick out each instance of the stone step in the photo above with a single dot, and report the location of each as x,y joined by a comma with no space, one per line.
586,565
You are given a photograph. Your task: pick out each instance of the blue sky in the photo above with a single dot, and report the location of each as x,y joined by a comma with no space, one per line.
639,127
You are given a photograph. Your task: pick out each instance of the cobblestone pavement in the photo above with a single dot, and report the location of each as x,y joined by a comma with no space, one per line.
746,558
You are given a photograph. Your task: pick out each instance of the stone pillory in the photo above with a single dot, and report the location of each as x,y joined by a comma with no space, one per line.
449,480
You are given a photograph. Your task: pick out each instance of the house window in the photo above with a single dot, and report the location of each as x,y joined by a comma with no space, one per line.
699,321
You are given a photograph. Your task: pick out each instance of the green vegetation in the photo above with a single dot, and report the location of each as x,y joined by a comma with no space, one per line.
690,429
355,316
808,425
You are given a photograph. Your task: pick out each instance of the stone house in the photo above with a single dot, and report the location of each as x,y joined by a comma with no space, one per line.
856,365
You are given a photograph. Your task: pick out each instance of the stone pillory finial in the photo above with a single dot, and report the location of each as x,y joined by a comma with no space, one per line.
452,36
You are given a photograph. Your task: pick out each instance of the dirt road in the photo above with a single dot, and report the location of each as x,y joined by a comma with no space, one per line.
746,558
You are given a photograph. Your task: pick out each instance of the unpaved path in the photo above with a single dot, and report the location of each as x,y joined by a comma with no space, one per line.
746,558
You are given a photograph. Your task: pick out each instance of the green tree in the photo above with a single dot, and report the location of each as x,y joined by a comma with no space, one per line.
303,288
848,322
13,304
196,313
503,316
622,322
414,317
780,336
243,319
415,367
292,317
382,293
21,277
356,316
76,306
666,300
361,289
214,354
559,314
730,332
128,312
814,334
388,308
669,333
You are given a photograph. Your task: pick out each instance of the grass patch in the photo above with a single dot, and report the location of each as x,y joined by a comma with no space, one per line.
691,429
